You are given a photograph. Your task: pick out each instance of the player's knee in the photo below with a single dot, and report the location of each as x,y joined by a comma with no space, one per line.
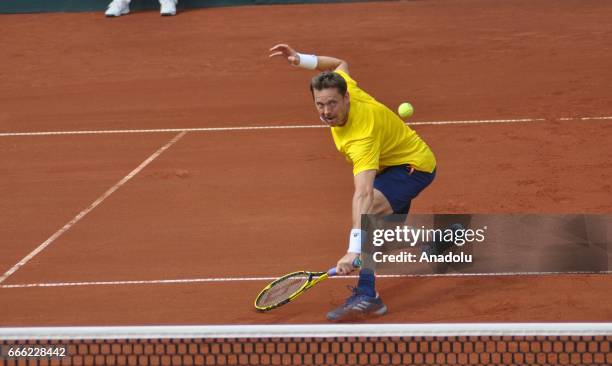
381,204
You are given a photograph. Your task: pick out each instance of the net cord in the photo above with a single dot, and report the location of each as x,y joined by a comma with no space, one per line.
307,330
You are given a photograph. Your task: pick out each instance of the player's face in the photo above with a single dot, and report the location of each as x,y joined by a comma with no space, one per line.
332,106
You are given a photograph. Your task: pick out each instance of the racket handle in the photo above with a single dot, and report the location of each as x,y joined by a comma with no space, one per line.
356,263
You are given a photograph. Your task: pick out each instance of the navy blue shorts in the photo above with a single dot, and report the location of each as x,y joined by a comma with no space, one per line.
400,184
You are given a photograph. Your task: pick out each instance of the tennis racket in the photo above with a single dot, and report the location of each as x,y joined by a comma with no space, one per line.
288,287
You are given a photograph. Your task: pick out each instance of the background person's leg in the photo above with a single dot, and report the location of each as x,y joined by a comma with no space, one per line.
167,7
118,8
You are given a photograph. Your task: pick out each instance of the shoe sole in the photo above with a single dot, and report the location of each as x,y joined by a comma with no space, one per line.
117,15
381,311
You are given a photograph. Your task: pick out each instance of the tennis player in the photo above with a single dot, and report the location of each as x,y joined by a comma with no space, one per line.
391,163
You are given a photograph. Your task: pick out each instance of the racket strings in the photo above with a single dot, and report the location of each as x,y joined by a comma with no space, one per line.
282,290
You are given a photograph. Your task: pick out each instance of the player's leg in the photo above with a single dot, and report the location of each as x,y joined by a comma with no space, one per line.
394,189
381,205
396,186
446,222
364,299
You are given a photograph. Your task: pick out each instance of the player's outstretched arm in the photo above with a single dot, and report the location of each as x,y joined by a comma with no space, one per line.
321,63
363,203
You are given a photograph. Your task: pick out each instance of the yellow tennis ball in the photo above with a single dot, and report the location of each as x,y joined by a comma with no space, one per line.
405,110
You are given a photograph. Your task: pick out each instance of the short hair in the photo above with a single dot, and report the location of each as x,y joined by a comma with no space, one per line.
327,80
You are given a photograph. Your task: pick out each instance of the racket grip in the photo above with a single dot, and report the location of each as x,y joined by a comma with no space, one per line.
356,263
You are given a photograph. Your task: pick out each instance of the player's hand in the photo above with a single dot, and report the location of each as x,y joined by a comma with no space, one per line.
285,51
345,264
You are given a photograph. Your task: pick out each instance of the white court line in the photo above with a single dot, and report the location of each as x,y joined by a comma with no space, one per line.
262,279
95,204
584,118
281,127
476,122
161,130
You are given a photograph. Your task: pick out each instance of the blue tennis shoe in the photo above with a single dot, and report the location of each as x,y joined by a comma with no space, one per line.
358,306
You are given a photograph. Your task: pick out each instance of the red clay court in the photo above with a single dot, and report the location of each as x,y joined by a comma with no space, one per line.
162,133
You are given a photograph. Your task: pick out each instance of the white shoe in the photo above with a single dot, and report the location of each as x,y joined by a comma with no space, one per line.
167,7
118,8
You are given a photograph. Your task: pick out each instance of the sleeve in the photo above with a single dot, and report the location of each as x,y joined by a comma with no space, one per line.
364,154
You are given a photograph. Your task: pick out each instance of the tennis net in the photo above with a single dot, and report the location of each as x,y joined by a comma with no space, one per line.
353,344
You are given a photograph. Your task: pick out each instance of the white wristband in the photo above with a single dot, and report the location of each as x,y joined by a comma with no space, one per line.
355,241
307,61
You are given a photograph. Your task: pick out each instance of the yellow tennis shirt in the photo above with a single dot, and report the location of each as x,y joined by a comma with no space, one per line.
374,137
